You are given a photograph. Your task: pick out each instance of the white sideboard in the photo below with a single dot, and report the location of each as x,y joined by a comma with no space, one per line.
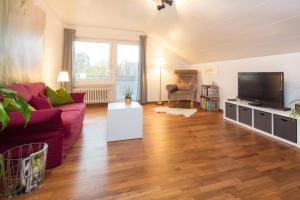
270,122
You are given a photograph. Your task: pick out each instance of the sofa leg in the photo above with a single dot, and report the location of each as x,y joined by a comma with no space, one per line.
192,104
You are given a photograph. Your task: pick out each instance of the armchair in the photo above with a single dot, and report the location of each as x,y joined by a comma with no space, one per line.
185,88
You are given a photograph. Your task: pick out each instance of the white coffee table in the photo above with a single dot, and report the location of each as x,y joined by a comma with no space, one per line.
124,122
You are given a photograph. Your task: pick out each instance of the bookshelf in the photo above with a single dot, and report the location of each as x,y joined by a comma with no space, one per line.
209,99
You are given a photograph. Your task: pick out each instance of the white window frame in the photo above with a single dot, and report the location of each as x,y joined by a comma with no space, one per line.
89,83
112,82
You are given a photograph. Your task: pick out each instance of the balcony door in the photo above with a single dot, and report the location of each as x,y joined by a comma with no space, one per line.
127,69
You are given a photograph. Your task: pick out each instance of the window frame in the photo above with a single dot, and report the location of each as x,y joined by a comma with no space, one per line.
113,60
110,81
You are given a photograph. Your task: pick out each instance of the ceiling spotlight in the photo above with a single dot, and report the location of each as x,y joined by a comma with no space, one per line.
169,2
163,2
159,7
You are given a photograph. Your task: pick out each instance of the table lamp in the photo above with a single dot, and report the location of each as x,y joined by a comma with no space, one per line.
63,76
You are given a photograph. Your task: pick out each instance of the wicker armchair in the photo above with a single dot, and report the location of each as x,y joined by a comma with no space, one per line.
185,88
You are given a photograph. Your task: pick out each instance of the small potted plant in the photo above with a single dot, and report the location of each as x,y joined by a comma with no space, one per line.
128,95
296,109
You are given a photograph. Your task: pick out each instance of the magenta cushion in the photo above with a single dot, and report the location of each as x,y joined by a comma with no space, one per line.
22,90
36,88
43,96
40,102
78,97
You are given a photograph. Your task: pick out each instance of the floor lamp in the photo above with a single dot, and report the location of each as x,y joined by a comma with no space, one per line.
160,62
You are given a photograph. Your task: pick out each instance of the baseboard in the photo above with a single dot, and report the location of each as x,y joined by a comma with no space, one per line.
155,102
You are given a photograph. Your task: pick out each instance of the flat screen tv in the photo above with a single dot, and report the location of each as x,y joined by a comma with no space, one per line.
262,88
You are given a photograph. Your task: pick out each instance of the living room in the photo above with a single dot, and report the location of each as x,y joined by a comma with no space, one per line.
149,99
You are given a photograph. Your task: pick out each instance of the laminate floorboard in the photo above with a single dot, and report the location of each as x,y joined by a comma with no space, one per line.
202,157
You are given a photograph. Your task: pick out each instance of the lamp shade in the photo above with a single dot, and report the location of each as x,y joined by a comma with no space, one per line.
63,76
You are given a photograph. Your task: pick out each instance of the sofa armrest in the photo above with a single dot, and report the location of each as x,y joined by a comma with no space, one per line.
78,97
171,88
44,126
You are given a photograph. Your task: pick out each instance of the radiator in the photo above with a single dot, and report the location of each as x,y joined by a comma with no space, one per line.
96,95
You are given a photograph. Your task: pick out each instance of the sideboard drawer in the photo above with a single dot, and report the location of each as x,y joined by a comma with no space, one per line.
285,128
230,111
263,121
245,115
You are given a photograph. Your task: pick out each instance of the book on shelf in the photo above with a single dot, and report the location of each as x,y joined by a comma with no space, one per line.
209,98
209,91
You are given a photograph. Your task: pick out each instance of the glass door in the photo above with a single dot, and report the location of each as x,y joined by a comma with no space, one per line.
127,70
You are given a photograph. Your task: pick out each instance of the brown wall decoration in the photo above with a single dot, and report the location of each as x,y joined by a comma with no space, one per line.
22,26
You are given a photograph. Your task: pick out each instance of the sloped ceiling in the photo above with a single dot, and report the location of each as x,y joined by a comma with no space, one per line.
197,30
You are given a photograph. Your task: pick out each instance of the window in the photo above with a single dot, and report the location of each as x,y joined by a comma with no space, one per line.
127,69
97,63
91,61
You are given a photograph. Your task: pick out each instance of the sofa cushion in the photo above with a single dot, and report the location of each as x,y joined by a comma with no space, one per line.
59,97
22,90
40,102
36,88
72,107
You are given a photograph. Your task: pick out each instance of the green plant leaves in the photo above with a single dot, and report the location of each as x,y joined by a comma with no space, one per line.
8,92
4,118
26,112
12,102
128,92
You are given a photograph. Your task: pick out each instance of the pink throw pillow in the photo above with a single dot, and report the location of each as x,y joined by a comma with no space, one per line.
40,102
22,90
36,88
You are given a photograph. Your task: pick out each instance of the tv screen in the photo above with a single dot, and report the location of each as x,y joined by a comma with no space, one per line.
265,88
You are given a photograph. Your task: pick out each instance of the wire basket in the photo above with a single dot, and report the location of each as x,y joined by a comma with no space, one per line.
23,169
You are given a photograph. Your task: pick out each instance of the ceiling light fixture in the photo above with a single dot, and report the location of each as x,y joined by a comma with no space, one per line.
163,2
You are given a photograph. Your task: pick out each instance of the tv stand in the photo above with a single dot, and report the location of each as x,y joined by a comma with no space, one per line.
274,123
256,104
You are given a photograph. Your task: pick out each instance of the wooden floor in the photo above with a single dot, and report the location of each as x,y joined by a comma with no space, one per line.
202,157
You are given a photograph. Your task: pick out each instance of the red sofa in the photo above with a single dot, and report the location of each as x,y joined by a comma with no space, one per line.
58,127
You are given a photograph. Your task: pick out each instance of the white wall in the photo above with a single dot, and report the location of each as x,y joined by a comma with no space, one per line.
155,49
53,47
227,75
105,33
